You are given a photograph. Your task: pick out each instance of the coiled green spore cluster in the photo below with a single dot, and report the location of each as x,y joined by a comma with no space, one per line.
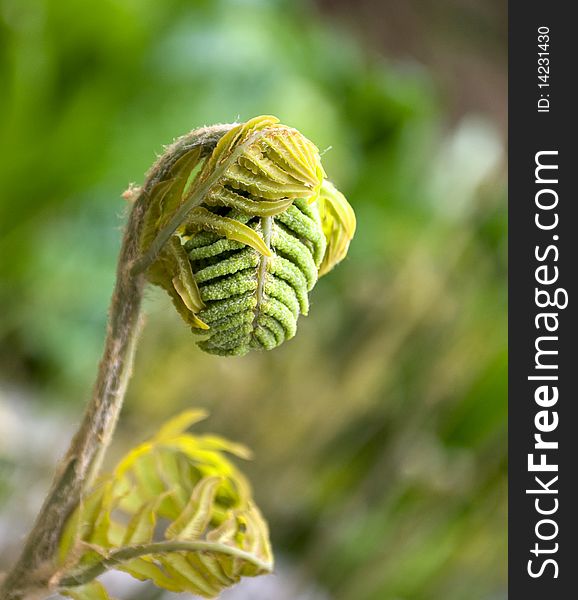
262,226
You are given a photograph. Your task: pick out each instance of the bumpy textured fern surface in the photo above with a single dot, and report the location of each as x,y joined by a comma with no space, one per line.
175,511
253,300
263,225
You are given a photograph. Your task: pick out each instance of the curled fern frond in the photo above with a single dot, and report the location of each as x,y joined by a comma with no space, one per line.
259,226
175,511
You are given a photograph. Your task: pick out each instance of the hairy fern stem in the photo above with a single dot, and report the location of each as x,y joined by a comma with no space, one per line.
119,557
32,572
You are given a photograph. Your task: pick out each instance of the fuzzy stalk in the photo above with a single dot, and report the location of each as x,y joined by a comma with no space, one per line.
31,575
117,558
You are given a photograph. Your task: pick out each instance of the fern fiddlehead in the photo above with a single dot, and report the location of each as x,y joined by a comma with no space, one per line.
175,511
266,225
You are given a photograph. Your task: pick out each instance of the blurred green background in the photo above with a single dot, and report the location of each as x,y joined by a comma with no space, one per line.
379,432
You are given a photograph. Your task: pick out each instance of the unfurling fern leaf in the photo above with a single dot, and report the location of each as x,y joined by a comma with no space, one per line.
175,511
258,224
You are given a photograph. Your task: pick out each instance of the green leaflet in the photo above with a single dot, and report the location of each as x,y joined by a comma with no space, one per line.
91,591
175,511
232,229
338,220
251,234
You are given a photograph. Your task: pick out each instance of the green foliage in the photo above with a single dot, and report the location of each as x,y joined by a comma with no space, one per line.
89,591
338,223
175,511
252,241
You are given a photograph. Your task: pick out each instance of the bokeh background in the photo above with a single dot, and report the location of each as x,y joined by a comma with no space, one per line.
379,432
